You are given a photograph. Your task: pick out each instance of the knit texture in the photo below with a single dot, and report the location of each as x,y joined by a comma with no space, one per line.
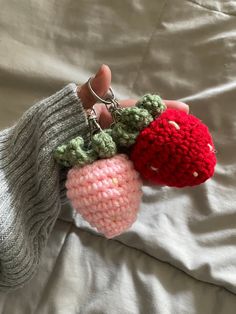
32,189
106,193
176,149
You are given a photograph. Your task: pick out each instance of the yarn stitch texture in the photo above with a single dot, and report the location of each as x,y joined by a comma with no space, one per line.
74,153
106,193
153,104
176,149
130,121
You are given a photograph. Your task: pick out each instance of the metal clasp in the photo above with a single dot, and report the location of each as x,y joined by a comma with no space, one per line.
110,102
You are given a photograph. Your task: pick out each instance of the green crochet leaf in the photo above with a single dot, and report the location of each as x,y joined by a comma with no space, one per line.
74,153
103,144
153,104
78,155
123,136
135,118
61,156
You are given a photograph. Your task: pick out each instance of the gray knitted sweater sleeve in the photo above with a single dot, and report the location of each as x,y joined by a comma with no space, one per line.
32,184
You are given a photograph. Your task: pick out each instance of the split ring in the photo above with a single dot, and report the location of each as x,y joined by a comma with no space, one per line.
105,101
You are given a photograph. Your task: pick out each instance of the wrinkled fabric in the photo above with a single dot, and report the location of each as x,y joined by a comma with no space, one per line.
179,256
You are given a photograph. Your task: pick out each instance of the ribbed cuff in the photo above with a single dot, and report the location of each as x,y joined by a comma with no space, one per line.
65,116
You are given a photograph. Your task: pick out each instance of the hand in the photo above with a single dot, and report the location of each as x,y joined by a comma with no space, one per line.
100,84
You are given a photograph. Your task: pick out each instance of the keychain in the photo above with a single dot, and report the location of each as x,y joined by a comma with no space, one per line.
167,146
145,142
102,185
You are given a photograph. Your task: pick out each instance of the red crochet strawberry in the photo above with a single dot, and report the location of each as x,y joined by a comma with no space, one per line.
176,149
167,146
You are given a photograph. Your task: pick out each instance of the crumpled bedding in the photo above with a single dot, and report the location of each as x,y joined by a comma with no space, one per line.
180,255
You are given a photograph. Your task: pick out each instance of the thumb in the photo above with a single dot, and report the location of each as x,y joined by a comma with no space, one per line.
100,84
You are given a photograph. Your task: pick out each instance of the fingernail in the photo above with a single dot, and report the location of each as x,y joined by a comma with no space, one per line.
186,106
99,72
182,105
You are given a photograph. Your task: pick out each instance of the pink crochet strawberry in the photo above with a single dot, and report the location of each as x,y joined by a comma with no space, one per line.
106,193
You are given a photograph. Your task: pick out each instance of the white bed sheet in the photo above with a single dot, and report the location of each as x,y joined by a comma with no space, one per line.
180,256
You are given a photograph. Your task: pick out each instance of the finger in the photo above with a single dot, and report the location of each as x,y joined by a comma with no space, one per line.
174,104
128,102
103,115
100,84
105,118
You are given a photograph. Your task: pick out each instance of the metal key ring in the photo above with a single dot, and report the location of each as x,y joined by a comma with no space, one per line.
105,101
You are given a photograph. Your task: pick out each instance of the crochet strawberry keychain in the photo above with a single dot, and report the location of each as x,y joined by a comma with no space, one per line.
147,141
102,184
